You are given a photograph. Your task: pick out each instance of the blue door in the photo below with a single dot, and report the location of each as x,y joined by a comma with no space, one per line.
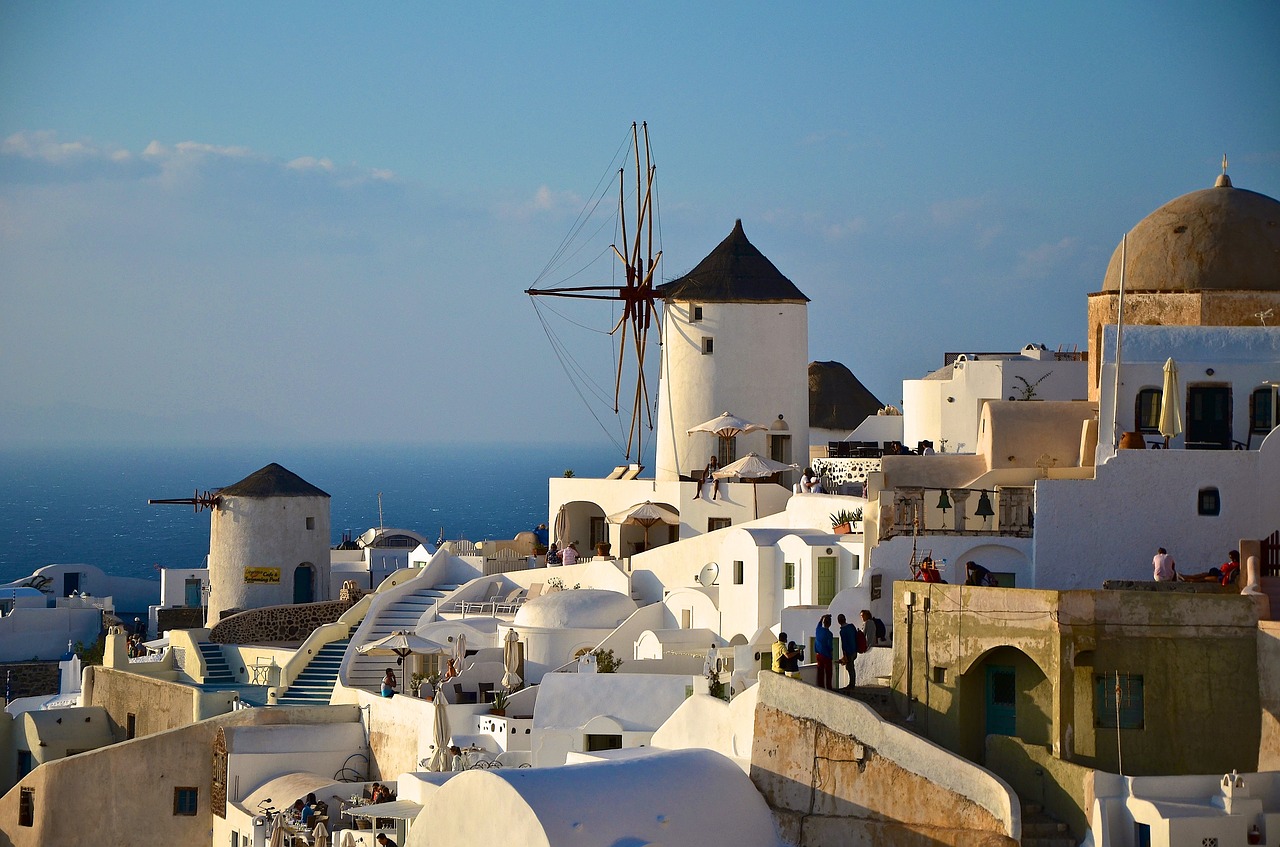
1002,715
303,589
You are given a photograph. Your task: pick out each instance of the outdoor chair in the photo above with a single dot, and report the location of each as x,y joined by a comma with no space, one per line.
486,692
495,589
461,696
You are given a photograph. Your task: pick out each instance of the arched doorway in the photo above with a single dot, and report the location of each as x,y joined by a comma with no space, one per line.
304,583
1004,693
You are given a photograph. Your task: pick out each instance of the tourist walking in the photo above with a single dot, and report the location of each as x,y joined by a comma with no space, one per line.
823,647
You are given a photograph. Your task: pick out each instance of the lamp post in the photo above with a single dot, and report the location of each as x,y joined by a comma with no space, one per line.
204,601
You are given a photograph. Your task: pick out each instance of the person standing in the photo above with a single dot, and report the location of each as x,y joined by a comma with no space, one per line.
823,647
1163,567
848,650
785,656
874,630
569,555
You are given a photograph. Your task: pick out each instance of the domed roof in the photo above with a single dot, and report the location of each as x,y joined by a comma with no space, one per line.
583,608
1220,238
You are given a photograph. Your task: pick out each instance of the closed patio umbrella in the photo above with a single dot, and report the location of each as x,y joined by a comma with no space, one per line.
277,831
320,835
511,660
440,733
348,840
1170,403
460,652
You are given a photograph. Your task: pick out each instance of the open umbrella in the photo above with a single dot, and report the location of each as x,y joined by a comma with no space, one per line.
645,514
727,426
1170,403
511,660
754,467
400,644
440,733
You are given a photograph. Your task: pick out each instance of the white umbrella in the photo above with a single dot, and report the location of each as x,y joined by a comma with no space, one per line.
460,652
440,735
400,644
727,426
645,514
348,840
320,835
1170,403
277,831
511,660
753,466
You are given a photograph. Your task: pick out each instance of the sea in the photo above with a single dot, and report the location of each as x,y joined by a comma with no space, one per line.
89,504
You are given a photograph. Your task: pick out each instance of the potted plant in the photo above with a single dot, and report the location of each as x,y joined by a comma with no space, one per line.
499,707
842,521
603,548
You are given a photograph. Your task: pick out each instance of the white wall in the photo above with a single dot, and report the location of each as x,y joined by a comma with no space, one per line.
758,370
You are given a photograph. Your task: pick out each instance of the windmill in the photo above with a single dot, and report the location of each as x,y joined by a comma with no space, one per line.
637,295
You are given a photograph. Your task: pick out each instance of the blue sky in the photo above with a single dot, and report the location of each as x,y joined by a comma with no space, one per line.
314,222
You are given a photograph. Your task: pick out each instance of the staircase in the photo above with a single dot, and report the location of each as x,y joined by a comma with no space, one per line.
366,671
217,673
1040,830
314,686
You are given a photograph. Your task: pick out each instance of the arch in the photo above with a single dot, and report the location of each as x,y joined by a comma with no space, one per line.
304,583
580,521
1003,691
997,558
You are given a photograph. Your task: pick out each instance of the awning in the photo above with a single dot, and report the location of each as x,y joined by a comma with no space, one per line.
405,810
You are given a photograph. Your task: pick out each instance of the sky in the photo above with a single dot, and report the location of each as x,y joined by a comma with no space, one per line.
315,222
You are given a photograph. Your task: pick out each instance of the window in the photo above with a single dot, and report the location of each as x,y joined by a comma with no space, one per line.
939,675
27,807
876,586
1147,413
718,523
1262,411
1118,701
727,450
1210,502
697,314
130,726
185,800
602,742
25,763
708,345
789,575
737,572
311,523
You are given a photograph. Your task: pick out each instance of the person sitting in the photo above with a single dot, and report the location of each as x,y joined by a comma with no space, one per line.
978,575
929,571
389,683
786,656
384,841
553,555
708,475
295,811
308,810
569,555
451,670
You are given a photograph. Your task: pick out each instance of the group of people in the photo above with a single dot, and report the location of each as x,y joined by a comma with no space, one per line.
810,483
567,556
1165,569
787,655
305,811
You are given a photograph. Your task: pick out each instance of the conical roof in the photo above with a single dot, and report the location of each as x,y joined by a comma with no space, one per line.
734,272
272,481
837,400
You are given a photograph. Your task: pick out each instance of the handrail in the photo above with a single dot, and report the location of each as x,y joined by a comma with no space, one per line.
319,637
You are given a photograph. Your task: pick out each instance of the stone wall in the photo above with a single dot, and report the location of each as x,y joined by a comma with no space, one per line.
157,705
833,773
29,679
277,623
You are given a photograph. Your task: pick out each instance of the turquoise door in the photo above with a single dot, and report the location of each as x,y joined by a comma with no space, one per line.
1002,715
303,589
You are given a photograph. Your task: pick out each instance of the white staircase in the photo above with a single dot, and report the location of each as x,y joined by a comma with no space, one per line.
366,671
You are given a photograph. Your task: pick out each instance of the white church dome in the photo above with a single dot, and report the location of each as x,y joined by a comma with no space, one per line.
583,608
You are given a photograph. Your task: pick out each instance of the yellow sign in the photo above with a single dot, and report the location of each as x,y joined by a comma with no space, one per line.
261,576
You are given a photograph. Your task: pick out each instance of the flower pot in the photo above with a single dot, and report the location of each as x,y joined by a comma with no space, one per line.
842,529
603,548
498,712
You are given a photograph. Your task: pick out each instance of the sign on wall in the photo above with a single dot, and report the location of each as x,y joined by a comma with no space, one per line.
261,576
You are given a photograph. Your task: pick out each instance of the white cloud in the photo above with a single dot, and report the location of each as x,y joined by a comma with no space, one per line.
46,147
544,201
1041,261
310,163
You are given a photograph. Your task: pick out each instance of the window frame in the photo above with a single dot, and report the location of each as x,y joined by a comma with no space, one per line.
1130,716
1157,397
181,795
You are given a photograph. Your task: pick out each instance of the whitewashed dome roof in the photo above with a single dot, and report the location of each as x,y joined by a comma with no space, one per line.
583,608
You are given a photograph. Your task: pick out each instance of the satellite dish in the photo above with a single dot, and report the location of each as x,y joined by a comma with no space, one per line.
708,575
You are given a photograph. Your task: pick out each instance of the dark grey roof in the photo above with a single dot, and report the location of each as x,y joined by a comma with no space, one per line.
272,481
734,272
837,400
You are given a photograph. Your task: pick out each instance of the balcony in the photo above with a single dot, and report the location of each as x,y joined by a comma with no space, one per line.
1003,510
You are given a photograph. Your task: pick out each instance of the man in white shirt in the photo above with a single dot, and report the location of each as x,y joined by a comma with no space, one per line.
1163,567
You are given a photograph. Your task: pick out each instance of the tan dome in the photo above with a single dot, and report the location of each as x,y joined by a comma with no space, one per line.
1221,238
